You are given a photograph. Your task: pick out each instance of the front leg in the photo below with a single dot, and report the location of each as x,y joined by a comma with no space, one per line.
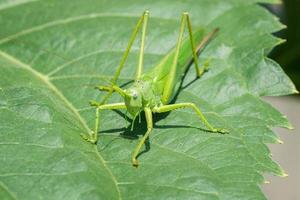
148,114
104,88
93,137
113,88
143,20
167,108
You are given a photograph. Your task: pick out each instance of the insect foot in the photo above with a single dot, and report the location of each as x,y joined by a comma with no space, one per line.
220,130
88,138
206,65
94,103
204,68
135,162
104,88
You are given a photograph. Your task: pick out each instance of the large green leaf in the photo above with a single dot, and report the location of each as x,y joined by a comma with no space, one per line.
52,53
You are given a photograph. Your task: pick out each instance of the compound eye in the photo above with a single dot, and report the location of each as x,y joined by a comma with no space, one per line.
134,95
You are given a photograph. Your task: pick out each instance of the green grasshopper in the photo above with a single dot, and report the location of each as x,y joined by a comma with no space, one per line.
151,92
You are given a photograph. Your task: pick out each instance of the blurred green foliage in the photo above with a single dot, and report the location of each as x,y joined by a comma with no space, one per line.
288,54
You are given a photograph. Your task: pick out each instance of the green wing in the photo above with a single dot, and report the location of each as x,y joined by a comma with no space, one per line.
160,72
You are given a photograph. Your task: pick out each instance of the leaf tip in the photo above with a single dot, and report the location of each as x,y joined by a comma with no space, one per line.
281,41
290,126
283,26
279,141
282,173
295,91
287,124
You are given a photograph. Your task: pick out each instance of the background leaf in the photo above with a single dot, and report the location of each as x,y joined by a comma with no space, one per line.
287,55
54,52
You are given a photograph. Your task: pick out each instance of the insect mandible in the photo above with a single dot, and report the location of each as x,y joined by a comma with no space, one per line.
152,92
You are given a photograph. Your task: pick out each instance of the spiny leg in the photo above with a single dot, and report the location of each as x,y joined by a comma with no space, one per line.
148,114
204,42
104,88
141,56
196,51
143,18
195,56
167,108
93,137
111,89
170,80
200,47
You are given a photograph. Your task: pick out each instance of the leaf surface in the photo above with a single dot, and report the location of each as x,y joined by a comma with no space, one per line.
52,54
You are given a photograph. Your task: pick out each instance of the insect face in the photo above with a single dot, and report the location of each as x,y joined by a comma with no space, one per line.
133,101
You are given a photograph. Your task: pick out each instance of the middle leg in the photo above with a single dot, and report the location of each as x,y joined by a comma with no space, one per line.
167,108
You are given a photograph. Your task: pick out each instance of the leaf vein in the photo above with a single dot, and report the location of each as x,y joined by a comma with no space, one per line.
6,189
45,80
71,20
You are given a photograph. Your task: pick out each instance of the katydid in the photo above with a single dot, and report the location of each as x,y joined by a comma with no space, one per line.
152,92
